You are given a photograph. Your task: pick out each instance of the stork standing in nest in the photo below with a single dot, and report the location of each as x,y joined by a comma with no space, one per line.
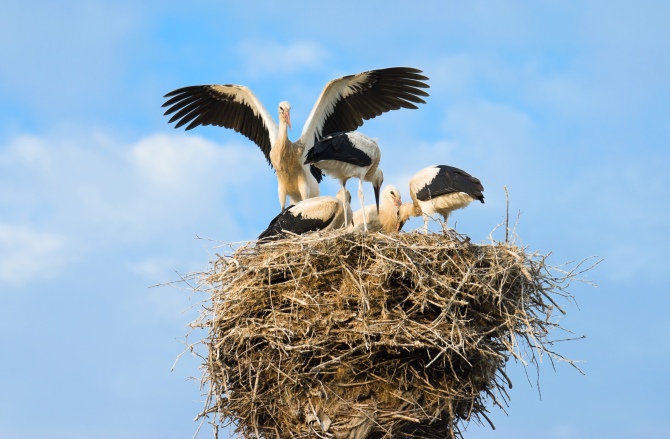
344,155
441,189
343,105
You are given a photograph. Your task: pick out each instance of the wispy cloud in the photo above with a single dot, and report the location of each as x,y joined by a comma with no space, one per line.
102,191
26,152
27,255
269,58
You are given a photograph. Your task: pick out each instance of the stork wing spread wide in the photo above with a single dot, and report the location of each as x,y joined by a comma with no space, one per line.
348,101
343,105
229,106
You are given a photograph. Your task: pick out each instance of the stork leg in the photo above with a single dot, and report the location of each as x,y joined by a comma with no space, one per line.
303,188
447,231
345,203
425,224
445,221
361,199
282,195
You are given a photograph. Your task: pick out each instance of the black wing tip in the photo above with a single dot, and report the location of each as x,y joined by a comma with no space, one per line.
317,173
182,90
404,69
406,72
171,94
309,156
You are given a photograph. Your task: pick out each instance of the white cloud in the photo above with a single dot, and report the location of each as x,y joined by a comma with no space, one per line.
268,58
94,193
27,151
27,255
185,164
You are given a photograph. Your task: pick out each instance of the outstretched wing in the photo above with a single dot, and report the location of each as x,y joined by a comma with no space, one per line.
229,106
346,102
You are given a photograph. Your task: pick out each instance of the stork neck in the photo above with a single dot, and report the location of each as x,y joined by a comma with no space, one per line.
282,136
283,153
388,216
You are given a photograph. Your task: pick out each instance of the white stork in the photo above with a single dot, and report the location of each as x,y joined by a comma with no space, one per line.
344,155
388,218
443,189
310,215
343,105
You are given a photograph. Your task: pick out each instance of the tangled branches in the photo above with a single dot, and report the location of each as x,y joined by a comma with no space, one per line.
369,336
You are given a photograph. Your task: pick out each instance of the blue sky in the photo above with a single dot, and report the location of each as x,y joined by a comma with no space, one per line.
564,103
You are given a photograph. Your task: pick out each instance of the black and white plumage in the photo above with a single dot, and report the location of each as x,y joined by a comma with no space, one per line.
343,105
310,215
388,217
345,155
442,189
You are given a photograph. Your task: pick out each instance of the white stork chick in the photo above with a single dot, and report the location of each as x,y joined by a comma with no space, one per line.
344,155
343,105
442,189
388,218
310,215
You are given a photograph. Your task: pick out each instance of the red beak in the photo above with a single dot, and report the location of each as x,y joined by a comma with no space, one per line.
287,116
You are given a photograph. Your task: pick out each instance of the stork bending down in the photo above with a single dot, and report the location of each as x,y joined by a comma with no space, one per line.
443,189
405,212
344,155
343,105
317,213
388,218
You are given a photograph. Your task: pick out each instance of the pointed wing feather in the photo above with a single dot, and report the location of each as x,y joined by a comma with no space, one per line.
229,106
346,102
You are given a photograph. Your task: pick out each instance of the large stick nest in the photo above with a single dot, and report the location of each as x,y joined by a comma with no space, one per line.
366,336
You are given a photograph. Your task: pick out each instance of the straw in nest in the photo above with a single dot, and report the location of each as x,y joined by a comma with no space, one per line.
363,336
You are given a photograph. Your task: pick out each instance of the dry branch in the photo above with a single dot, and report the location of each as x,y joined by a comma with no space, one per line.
370,336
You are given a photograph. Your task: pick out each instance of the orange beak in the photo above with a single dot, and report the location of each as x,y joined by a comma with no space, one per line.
287,116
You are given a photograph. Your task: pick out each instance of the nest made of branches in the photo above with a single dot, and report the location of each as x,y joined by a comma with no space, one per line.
366,336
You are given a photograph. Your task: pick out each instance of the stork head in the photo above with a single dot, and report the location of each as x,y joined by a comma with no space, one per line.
285,113
392,195
377,181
